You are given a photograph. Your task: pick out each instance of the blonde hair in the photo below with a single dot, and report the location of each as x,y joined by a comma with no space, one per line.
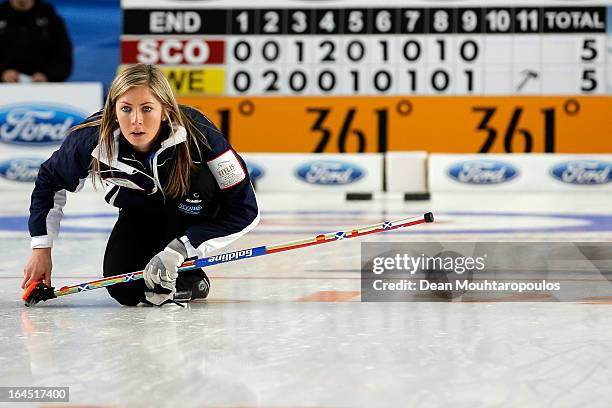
177,184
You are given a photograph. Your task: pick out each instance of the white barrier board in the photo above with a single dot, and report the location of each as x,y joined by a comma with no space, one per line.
316,172
34,119
520,172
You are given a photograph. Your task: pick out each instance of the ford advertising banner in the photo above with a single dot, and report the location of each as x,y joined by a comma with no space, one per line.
330,172
482,172
520,172
583,172
34,120
316,172
37,125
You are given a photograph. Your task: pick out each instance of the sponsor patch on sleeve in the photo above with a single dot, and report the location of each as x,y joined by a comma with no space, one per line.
227,170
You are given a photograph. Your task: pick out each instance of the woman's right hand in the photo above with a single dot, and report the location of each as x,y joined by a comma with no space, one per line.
38,267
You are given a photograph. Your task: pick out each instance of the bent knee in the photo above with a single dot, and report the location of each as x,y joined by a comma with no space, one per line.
126,296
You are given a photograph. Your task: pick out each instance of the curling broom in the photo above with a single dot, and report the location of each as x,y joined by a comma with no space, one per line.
39,291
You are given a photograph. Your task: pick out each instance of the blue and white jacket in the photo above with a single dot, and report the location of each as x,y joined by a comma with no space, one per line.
220,207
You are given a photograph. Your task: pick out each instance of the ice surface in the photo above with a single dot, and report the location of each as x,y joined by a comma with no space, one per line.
288,330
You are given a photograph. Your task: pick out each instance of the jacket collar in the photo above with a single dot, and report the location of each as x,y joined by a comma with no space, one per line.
178,135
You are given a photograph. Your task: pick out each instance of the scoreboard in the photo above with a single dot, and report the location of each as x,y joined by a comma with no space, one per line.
327,76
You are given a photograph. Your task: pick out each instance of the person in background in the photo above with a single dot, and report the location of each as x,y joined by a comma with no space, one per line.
34,43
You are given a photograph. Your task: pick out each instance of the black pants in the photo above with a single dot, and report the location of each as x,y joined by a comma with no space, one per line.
136,237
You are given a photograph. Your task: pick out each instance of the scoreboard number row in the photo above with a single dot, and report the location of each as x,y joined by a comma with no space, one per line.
379,80
387,21
329,82
588,50
328,51
198,51
489,20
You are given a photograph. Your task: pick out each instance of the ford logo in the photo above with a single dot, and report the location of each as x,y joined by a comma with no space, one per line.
23,169
255,171
482,172
328,172
583,172
40,124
